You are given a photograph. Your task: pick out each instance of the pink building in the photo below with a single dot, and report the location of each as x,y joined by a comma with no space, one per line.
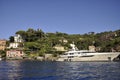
14,54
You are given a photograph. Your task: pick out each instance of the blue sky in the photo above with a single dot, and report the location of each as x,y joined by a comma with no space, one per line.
68,16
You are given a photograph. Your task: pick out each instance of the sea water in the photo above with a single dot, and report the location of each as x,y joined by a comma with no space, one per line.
37,70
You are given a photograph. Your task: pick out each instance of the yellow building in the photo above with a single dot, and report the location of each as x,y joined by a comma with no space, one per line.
59,48
2,44
92,48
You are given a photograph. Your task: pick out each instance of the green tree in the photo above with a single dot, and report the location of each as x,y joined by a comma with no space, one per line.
2,53
11,38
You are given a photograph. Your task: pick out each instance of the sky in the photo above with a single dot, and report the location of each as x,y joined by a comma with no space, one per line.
67,16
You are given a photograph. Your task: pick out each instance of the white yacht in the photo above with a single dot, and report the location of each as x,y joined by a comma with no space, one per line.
87,55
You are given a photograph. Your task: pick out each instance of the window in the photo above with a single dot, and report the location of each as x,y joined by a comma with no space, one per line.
20,52
71,53
70,56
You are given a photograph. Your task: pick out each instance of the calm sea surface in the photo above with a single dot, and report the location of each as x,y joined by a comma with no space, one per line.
36,70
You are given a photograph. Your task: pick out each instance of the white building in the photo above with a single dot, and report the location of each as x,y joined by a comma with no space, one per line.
18,38
14,45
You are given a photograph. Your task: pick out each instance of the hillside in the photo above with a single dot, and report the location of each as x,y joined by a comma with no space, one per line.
37,41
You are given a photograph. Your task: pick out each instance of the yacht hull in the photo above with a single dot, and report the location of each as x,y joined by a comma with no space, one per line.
91,57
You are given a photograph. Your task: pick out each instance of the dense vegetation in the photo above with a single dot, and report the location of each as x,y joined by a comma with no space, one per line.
39,42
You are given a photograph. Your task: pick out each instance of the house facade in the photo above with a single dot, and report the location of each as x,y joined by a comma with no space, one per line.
59,48
14,45
14,54
92,48
2,44
63,40
17,40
